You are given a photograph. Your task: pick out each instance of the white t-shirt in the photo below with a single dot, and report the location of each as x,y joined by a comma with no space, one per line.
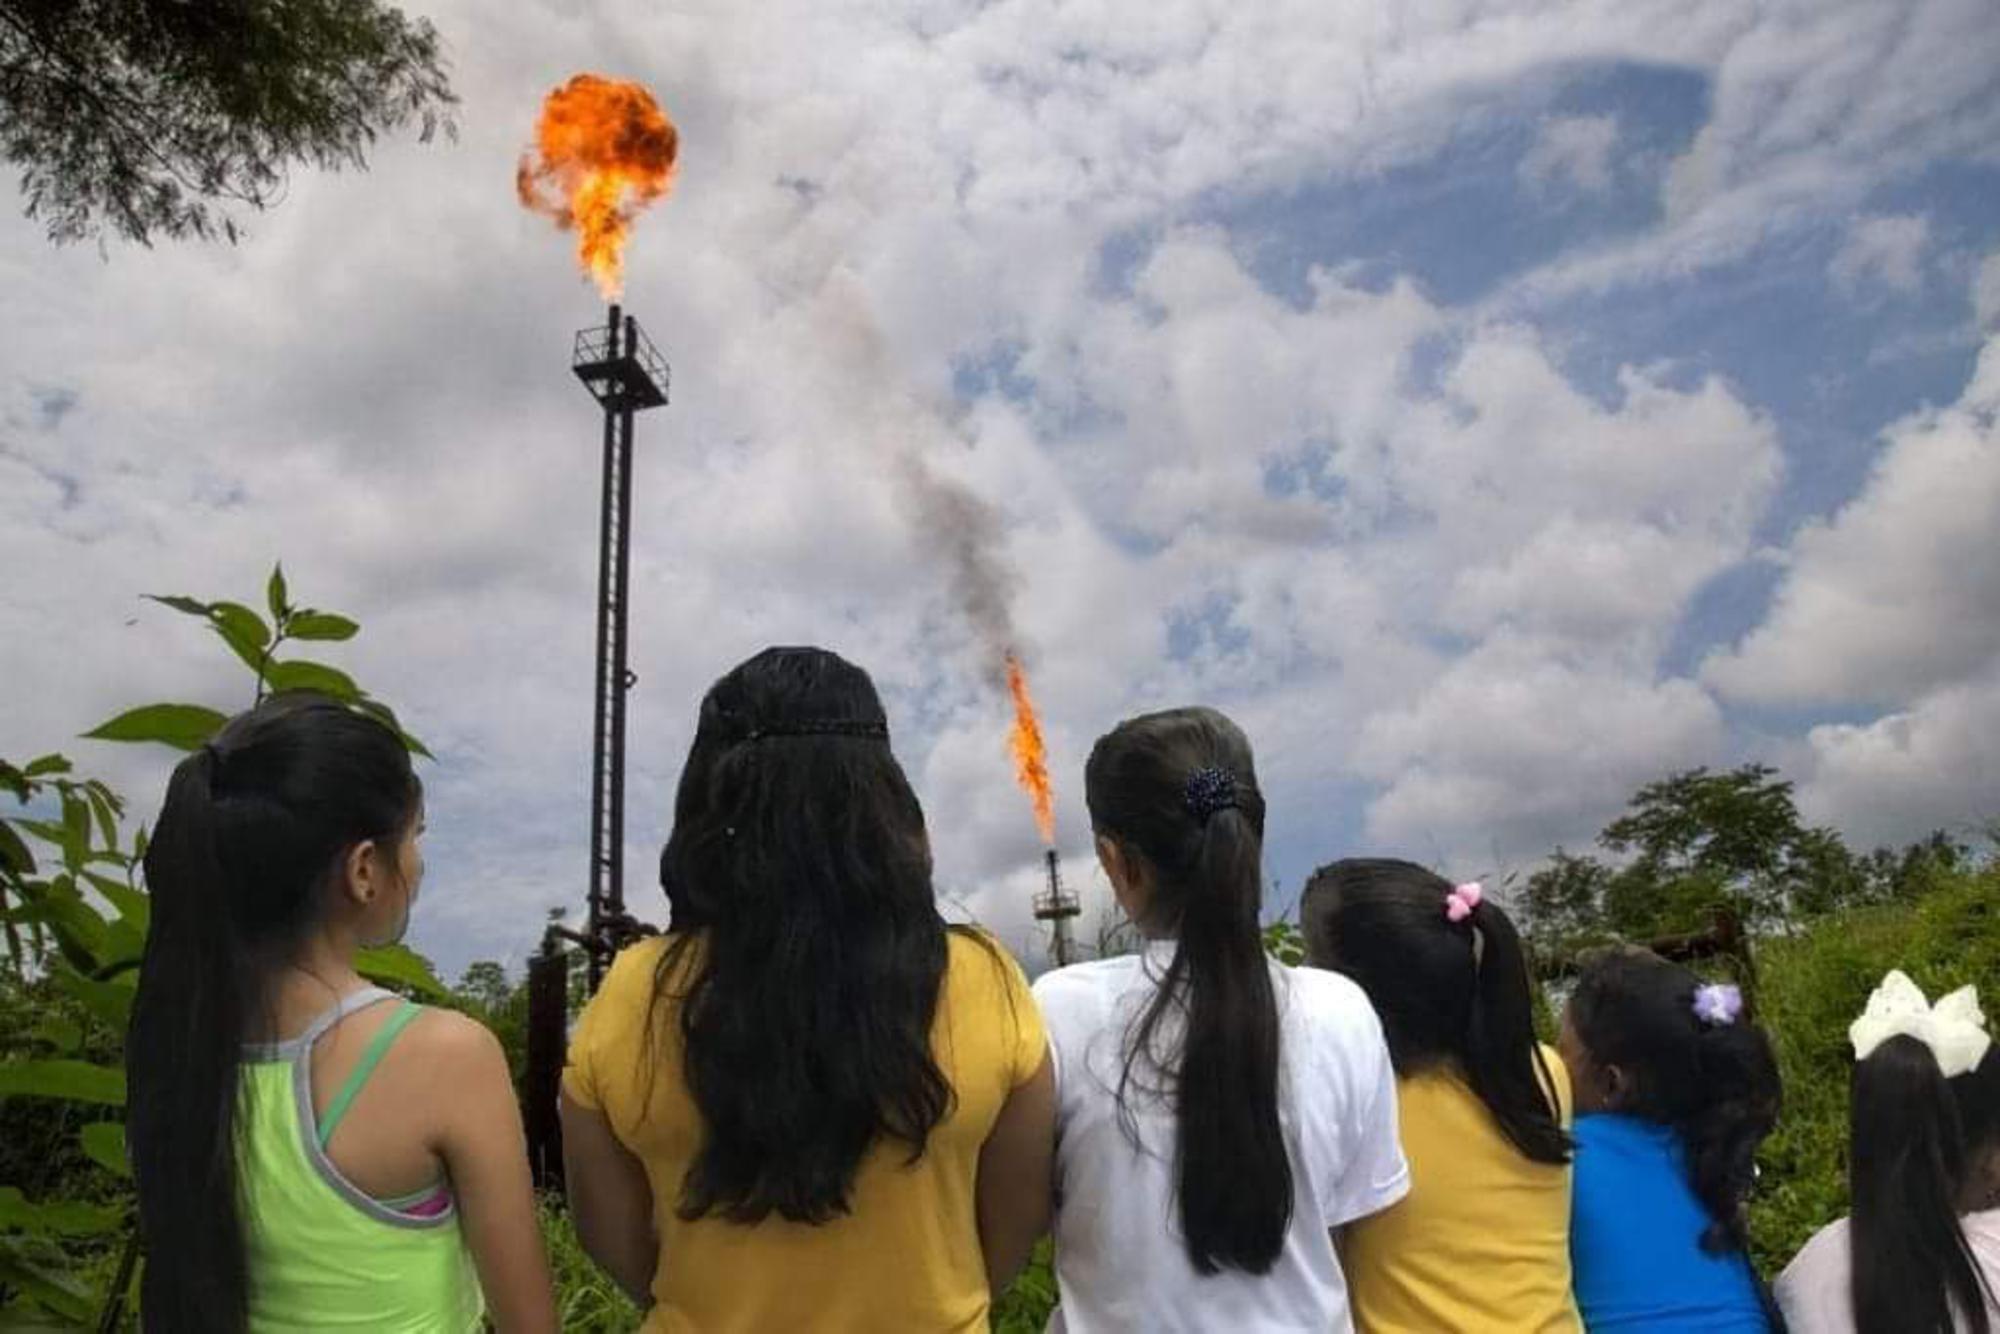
1121,1261
1813,1291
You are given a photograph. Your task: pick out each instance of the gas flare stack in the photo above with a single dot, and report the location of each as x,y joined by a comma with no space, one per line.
626,374
1057,907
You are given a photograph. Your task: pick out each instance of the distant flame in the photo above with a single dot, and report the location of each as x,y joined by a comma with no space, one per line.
603,151
1031,757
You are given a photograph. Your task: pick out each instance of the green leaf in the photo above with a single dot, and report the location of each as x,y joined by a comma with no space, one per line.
105,807
76,827
79,928
54,1218
14,854
400,966
65,1035
274,593
73,1081
381,712
45,765
190,606
104,1141
108,1002
243,630
132,905
182,726
52,1289
298,674
321,625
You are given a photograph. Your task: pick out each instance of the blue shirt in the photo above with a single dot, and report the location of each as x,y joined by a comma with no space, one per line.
1635,1238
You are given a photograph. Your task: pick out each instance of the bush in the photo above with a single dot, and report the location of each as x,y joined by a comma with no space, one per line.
1810,988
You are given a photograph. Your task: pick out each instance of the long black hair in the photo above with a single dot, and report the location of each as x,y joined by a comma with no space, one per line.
808,951
248,847
1716,1085
1916,1139
1450,994
1177,793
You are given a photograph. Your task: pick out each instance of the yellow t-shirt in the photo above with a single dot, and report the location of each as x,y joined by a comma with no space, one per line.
906,1257
1481,1242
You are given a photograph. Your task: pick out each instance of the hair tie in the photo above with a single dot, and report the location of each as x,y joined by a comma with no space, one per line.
1954,1029
1207,791
852,727
1462,899
1717,1004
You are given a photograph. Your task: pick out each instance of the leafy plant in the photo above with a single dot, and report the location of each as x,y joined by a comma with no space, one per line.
73,920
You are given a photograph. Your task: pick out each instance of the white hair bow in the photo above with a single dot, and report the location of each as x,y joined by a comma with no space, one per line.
1954,1029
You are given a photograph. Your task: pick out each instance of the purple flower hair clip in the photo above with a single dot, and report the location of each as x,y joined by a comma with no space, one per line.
1717,1004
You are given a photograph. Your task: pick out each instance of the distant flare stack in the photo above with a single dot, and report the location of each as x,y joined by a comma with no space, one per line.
1058,907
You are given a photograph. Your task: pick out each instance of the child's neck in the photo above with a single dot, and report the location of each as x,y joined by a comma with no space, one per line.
315,979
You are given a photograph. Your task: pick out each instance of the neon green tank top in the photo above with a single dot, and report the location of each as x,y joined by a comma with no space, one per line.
323,1254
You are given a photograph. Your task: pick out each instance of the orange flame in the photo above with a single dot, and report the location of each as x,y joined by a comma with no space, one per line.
603,151
1031,757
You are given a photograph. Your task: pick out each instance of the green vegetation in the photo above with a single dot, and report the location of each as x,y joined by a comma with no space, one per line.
156,119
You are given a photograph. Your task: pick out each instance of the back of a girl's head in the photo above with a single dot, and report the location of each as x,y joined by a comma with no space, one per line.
790,765
1714,1080
280,790
798,860
1452,988
1136,786
241,868
1920,1151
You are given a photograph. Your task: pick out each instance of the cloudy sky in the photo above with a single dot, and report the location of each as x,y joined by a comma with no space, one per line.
1493,406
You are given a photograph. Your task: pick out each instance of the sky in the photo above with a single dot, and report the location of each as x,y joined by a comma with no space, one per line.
1491,406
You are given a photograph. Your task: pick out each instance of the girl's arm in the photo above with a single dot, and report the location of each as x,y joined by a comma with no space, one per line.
611,1201
1017,1177
486,1156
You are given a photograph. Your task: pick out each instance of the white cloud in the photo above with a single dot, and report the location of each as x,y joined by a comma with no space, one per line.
1812,109
1399,541
1930,766
1519,747
1986,294
1888,250
1898,592
1572,150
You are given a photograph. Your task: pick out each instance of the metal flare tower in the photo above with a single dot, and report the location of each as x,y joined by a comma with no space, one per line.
1058,907
626,374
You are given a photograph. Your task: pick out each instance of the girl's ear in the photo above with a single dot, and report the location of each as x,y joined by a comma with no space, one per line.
1615,1087
361,874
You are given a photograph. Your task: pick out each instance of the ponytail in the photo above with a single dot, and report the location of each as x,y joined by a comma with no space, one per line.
1503,1062
1233,1162
1734,1109
250,835
1177,791
181,1055
1913,1271
1452,990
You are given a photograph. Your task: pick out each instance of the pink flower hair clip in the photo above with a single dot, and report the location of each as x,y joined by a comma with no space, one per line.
1462,899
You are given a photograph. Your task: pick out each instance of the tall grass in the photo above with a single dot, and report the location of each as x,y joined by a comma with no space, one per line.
587,1302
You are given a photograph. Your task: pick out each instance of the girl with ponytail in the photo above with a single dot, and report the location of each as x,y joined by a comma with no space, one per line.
1482,1239
1218,1116
1675,1089
1920,1254
309,1151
